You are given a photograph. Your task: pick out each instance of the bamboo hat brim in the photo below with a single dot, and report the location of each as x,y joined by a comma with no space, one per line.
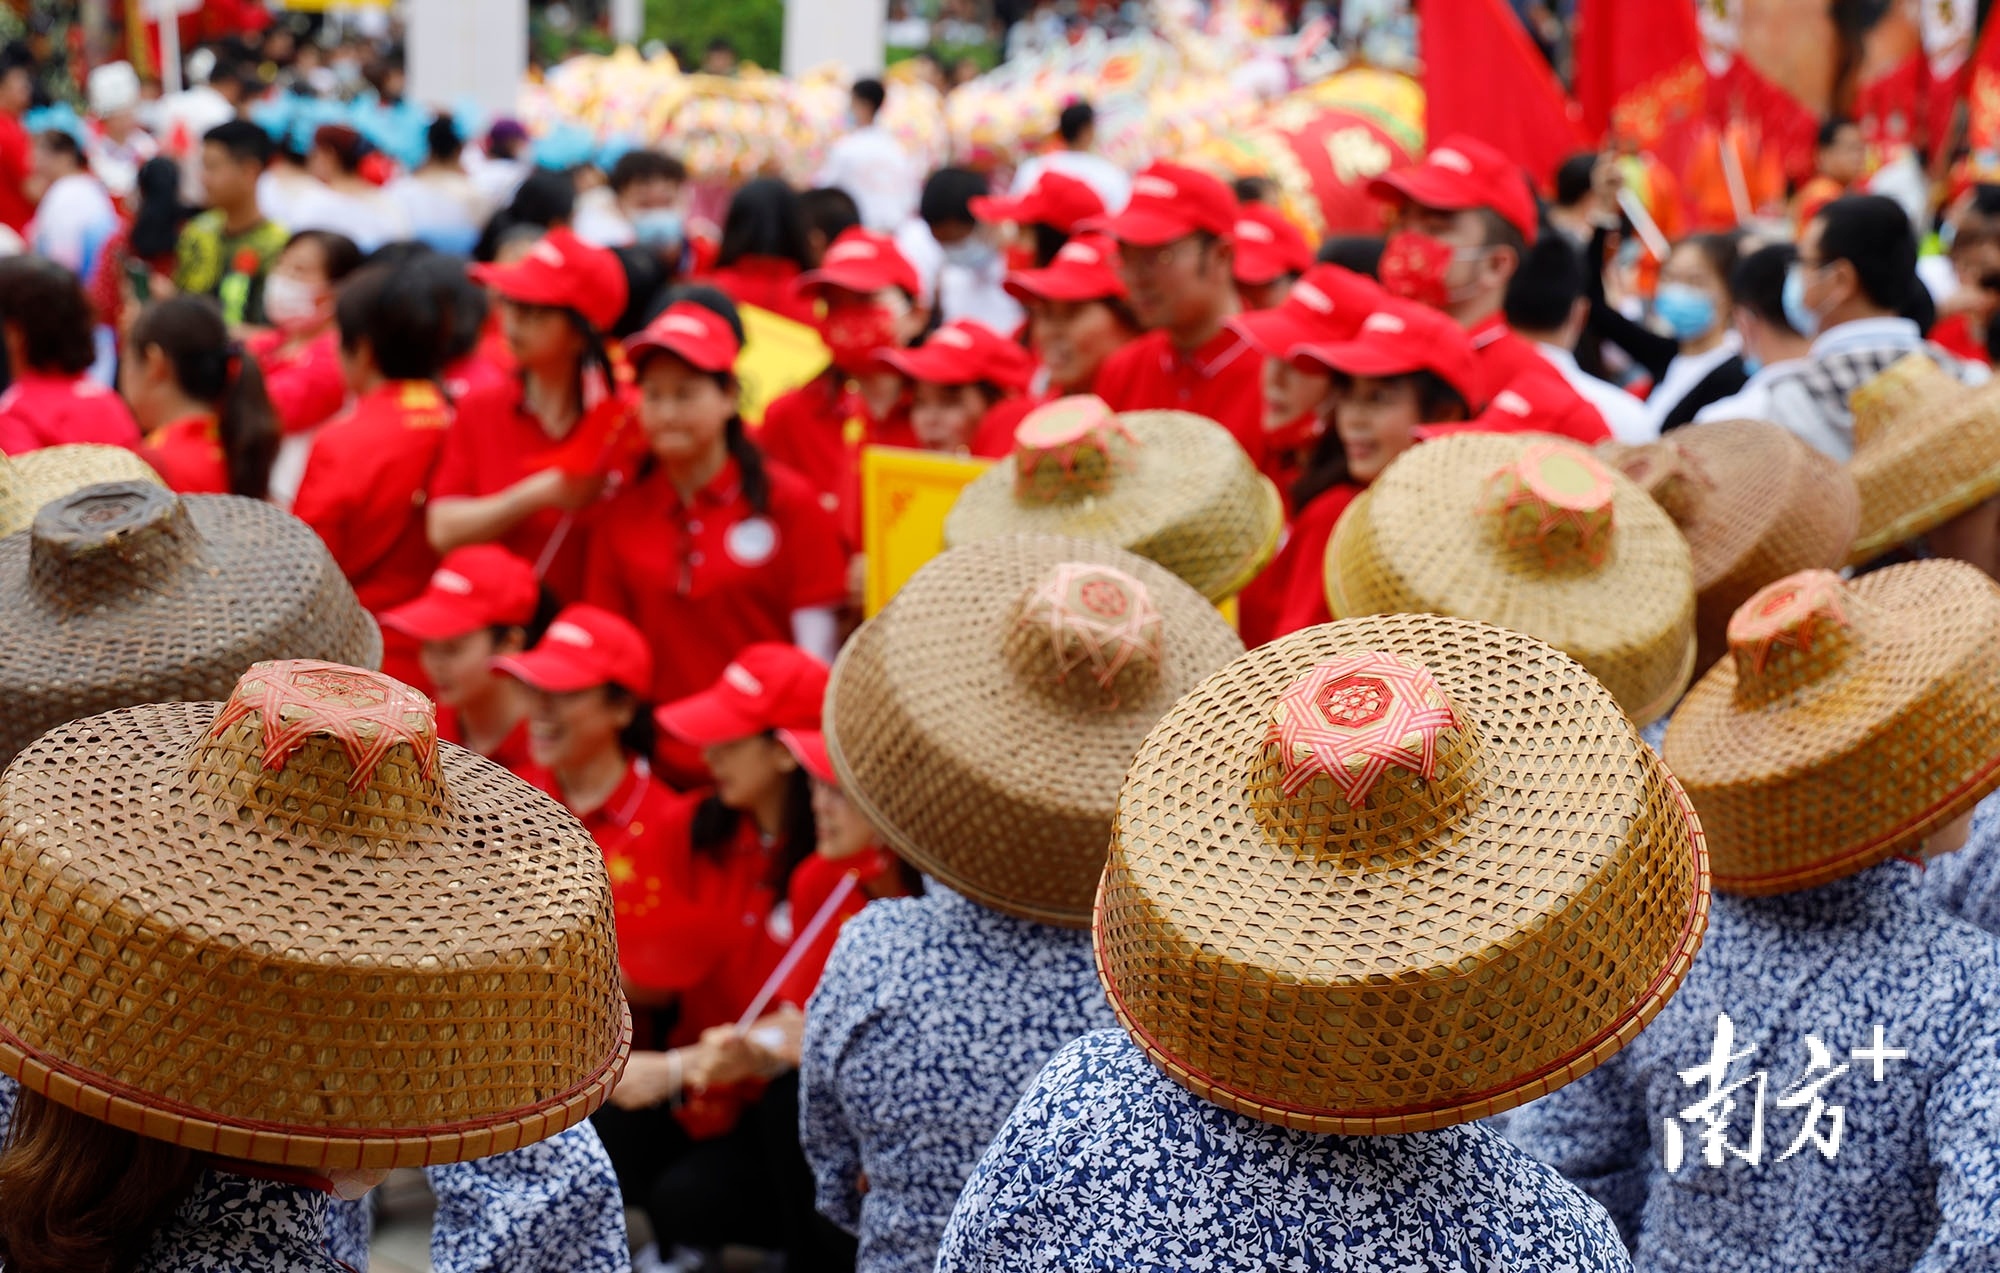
295,929
1849,722
1390,874
126,593
983,721
1172,487
31,480
1931,455
1530,533
1755,504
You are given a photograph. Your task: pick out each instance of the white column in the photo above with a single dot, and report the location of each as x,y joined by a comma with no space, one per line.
628,20
475,49
845,32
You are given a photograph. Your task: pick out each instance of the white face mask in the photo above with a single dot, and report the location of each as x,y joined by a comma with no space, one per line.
288,302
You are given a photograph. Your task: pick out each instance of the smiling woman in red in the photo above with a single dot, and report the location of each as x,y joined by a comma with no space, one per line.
199,400
515,469
710,549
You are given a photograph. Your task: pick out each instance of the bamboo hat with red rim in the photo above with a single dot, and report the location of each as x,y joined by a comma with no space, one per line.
984,719
1390,874
1172,487
127,593
1850,721
295,929
29,481
1531,533
1926,449
1753,501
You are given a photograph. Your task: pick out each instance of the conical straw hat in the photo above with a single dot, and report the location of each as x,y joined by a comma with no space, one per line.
296,929
1530,533
29,481
1928,455
1172,487
1849,722
126,593
984,719
1753,502
1390,874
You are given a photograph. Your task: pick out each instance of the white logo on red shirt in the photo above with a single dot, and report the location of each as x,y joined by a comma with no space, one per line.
565,633
453,582
751,541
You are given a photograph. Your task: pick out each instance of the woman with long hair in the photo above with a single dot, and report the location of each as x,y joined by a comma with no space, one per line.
199,400
46,329
764,251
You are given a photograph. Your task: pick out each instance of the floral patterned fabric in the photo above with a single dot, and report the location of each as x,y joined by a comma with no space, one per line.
1108,1164
933,1014
236,1224
1875,1020
1967,882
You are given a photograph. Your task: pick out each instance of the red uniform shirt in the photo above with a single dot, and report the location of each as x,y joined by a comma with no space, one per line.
818,431
1289,448
1223,380
41,410
705,578
187,455
768,282
1954,336
512,753
1291,593
1505,359
16,162
306,386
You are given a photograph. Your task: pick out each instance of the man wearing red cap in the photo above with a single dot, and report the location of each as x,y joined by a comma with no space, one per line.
1176,251
1077,313
1271,254
1466,217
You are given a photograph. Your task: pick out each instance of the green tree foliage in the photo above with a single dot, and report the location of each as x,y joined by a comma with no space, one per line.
755,27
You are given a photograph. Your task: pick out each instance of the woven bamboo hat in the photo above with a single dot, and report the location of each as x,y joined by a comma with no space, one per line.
1172,487
295,929
1390,874
126,593
984,719
1753,502
29,481
1849,722
1928,450
1530,533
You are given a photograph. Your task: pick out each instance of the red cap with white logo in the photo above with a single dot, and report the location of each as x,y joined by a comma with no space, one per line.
965,353
1326,305
1268,246
1170,202
863,261
1463,172
478,586
1397,339
767,686
695,334
1054,200
563,272
584,648
1085,269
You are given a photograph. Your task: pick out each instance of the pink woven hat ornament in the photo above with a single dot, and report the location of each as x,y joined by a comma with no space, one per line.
296,929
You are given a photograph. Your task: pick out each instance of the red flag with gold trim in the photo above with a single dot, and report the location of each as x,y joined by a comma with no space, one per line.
1640,75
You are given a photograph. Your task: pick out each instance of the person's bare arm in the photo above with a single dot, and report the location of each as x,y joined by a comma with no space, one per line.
455,521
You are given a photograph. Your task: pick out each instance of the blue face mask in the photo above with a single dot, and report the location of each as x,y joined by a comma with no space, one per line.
1688,312
1751,366
1800,315
659,229
972,252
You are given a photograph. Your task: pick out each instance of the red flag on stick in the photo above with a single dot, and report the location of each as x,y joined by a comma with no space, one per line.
1639,74
1485,78
1982,132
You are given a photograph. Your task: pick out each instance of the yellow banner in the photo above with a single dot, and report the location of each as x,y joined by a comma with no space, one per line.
905,496
779,354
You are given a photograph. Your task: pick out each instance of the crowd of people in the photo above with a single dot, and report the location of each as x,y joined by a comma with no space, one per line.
1387,736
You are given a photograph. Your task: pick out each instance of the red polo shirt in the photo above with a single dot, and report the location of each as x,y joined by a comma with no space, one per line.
706,577
41,410
1291,593
818,431
306,385
187,455
1289,448
364,489
1223,380
768,282
512,753
1507,359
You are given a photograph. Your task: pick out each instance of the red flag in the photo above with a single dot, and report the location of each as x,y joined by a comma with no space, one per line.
1982,133
1639,74
1891,107
1948,28
1483,77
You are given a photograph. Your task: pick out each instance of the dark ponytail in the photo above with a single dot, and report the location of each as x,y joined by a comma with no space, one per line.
641,736
749,462
213,370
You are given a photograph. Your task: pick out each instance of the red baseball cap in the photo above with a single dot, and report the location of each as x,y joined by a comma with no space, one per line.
1170,202
863,261
1397,339
1463,172
1054,200
695,334
964,353
767,686
1268,245
1085,269
808,747
562,270
584,648
478,586
1326,305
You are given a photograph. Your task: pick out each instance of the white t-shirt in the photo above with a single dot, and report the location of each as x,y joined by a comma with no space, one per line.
444,209
873,167
73,222
599,222
280,191
371,219
1112,183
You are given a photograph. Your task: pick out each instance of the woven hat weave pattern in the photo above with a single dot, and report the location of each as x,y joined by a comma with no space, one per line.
1930,450
1849,722
1172,487
1395,873
1755,504
1530,533
29,481
296,929
984,720
126,593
